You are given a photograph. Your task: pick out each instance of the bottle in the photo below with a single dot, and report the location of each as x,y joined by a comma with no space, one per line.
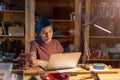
72,16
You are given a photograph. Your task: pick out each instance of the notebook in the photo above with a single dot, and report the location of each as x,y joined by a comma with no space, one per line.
63,61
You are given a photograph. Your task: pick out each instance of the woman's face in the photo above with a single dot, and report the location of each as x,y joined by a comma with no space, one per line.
46,34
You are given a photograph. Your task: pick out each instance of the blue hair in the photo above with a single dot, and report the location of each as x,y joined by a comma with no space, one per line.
41,23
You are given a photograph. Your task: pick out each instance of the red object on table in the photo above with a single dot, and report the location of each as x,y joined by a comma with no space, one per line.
56,76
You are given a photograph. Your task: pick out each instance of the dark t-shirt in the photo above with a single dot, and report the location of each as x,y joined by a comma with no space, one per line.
43,51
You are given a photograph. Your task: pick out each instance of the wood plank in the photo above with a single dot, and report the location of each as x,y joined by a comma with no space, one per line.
77,24
101,76
12,11
86,31
30,22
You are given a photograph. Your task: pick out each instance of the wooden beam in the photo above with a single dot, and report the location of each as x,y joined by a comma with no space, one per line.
77,24
29,23
86,31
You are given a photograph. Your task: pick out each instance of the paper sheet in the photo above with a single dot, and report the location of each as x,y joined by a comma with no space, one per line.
70,70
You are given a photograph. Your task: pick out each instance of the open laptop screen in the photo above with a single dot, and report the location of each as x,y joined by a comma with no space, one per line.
63,61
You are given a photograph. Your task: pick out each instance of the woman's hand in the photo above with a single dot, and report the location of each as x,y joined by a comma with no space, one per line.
33,59
36,62
42,63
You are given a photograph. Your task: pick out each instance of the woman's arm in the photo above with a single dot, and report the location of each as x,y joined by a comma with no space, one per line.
33,56
36,62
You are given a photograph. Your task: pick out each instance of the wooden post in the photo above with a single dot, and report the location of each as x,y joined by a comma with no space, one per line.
77,25
29,23
86,31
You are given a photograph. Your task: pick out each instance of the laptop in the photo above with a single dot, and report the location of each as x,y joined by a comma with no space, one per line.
63,61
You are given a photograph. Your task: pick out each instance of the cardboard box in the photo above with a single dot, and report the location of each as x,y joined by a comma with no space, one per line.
16,31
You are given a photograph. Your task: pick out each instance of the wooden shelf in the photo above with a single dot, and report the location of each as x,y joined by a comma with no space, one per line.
104,36
62,36
104,60
12,11
7,36
61,20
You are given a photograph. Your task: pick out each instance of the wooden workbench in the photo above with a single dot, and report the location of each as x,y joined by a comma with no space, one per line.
35,72
105,75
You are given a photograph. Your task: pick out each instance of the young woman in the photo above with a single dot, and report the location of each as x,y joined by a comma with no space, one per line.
44,45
